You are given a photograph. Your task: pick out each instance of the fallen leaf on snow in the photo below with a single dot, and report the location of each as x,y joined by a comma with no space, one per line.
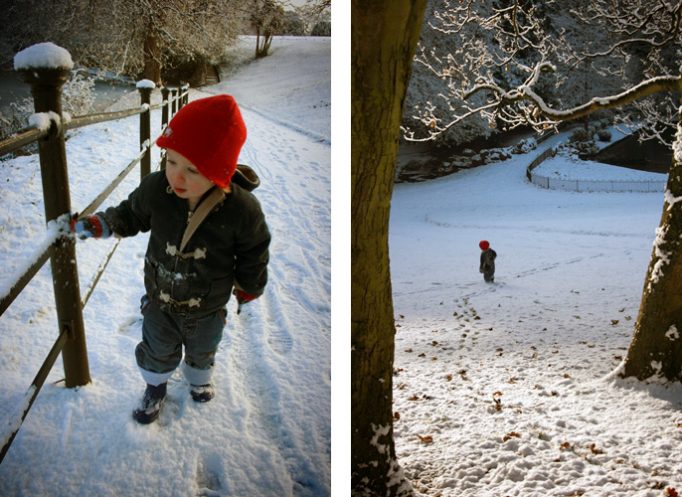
595,450
510,435
426,439
496,399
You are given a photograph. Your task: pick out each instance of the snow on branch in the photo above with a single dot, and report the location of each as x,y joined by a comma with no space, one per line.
652,23
524,63
644,89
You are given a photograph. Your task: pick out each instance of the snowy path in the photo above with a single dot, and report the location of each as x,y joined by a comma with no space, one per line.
267,432
505,389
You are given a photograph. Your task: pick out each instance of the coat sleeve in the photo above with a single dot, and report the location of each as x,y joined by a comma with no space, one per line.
252,251
133,215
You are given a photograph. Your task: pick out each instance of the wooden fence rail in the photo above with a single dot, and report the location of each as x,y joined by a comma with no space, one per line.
46,84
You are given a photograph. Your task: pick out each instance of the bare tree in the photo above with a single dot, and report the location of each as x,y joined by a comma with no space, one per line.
503,82
314,12
267,18
384,34
134,37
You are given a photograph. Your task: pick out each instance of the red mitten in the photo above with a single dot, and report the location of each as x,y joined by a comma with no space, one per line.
89,227
242,298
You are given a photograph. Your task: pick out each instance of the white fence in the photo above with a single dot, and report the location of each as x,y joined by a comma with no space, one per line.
585,185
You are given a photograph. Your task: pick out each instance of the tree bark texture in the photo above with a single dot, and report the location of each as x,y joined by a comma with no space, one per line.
384,35
152,57
656,347
263,47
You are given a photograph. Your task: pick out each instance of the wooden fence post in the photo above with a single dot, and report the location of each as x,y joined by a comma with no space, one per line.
184,92
46,85
174,107
145,88
165,108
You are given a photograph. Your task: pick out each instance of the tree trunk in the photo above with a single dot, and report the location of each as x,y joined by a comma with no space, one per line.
384,37
152,57
656,347
262,48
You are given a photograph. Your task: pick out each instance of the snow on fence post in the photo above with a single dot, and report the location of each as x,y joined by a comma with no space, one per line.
145,88
46,67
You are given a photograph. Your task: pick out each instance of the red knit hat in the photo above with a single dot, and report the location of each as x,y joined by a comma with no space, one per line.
209,133
484,244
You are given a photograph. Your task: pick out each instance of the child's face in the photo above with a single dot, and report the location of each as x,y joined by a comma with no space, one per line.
185,179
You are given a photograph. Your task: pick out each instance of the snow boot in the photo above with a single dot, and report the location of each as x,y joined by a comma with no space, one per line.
149,409
202,393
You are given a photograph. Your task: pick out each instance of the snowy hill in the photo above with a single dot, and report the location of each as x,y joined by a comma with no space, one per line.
509,388
267,432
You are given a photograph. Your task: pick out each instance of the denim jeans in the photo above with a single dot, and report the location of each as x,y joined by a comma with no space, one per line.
163,337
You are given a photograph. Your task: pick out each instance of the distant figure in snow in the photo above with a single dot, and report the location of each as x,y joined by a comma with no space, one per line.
208,240
487,266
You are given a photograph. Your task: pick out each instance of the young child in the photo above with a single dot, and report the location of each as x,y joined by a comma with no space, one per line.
188,283
487,266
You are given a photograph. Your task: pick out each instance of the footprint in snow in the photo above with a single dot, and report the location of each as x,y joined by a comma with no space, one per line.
209,469
130,325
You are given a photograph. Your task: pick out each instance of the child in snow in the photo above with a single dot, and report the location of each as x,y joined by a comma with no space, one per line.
487,266
189,275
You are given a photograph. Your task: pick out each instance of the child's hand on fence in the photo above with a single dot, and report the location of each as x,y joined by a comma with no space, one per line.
242,298
89,227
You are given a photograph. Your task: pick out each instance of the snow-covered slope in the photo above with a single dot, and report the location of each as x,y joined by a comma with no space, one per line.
267,432
508,388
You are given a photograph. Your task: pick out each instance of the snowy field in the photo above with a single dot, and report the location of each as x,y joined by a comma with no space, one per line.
268,431
509,389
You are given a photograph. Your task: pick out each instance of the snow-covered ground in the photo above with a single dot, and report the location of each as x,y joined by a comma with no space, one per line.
508,389
268,431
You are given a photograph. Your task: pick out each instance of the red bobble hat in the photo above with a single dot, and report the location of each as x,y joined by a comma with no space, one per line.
209,133
484,244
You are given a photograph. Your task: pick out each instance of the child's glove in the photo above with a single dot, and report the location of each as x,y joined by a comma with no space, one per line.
242,298
89,227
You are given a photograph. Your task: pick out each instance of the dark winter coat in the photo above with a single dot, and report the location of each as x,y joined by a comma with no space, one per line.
230,246
488,264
